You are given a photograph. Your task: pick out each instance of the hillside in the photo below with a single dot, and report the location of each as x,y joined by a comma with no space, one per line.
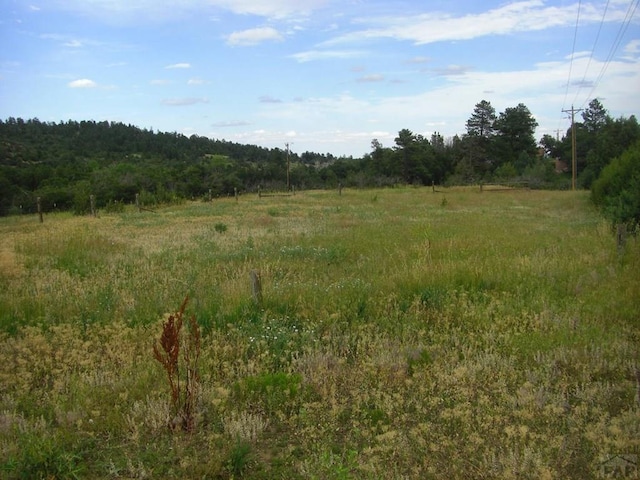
65,162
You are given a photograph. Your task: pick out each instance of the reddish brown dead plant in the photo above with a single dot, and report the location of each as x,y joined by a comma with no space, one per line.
182,375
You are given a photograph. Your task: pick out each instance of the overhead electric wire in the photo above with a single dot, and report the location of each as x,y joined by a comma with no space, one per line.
593,50
614,47
573,52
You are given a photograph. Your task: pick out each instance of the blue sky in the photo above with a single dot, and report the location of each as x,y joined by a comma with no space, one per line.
322,75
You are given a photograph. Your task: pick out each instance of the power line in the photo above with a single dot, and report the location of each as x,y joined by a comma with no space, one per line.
573,52
593,49
616,44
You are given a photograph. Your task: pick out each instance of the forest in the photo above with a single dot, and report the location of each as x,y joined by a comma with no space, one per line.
65,163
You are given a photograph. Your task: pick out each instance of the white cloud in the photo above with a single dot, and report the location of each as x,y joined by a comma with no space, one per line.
312,55
522,16
272,8
126,12
160,82
451,70
178,66
375,77
82,83
196,81
633,47
73,44
254,36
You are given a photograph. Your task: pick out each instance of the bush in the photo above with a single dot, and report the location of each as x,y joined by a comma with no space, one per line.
113,206
617,189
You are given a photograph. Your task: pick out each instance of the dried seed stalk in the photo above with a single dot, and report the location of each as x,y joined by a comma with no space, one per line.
167,352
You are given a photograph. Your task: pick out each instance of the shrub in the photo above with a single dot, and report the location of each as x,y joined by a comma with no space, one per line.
617,189
114,206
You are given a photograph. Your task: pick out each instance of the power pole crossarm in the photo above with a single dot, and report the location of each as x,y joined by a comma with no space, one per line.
574,163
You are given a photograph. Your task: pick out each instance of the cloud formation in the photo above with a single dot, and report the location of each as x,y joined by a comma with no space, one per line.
82,83
375,77
311,55
254,36
522,16
277,9
174,66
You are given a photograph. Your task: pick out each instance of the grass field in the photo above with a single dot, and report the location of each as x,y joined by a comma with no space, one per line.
402,334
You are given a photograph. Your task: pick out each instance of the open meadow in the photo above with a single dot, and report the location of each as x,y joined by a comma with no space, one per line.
401,334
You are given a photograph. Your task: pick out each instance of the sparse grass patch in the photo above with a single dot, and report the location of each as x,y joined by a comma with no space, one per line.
268,393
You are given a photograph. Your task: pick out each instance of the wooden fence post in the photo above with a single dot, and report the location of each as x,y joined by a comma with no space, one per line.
340,188
621,236
138,202
92,200
235,193
39,202
256,287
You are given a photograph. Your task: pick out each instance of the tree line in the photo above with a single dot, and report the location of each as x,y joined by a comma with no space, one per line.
64,163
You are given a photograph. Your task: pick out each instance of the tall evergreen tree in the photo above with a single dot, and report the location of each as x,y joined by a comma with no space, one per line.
405,142
482,120
516,128
595,116
477,141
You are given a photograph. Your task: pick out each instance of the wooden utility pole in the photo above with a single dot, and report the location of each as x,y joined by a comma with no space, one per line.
557,130
574,162
288,185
